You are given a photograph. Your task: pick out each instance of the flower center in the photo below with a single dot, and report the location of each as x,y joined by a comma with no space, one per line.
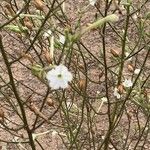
59,76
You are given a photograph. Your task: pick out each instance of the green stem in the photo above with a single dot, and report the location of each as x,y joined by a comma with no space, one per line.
106,143
124,45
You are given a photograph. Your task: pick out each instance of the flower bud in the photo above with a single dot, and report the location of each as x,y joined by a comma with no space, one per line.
129,115
37,112
97,24
101,74
114,52
100,22
47,56
81,66
120,89
16,29
130,68
9,10
28,23
50,102
82,84
145,92
38,71
39,4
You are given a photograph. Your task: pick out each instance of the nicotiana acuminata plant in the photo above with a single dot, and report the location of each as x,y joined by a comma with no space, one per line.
83,84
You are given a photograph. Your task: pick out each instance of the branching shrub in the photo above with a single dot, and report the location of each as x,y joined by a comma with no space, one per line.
74,74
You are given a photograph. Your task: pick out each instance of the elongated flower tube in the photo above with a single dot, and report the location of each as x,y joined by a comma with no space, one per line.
97,24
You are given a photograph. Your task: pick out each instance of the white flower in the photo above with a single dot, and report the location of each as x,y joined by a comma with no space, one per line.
97,92
136,71
62,39
47,33
54,133
59,77
92,2
104,99
127,83
127,54
135,16
116,93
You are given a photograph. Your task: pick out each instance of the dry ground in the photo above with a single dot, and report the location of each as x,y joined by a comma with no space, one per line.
24,79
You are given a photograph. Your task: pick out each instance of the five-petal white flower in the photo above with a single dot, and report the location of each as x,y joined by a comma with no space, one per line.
59,77
136,71
127,83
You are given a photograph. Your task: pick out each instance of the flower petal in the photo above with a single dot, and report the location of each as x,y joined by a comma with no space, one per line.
55,80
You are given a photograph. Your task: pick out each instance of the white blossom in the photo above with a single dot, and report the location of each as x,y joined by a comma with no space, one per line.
135,16
47,33
59,77
104,99
136,71
54,133
92,2
127,83
116,93
62,39
97,92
